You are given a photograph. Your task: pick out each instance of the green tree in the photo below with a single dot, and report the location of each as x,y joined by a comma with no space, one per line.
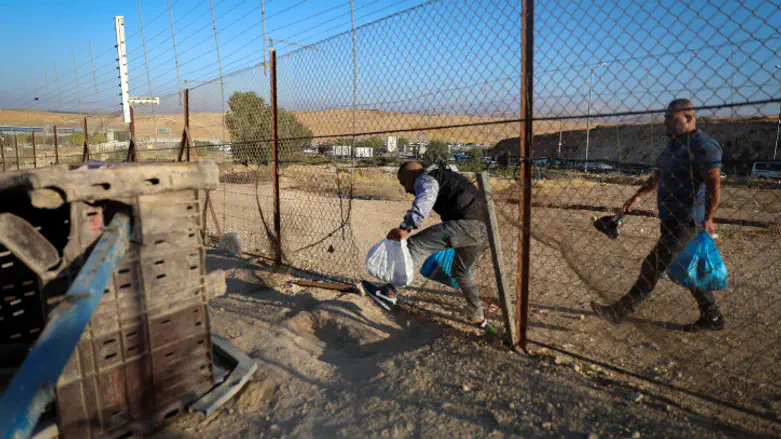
372,142
476,158
249,124
437,149
76,139
402,143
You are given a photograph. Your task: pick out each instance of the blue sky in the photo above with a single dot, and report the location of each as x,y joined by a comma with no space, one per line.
456,56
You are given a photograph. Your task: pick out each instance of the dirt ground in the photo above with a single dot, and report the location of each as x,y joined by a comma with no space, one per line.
572,264
335,365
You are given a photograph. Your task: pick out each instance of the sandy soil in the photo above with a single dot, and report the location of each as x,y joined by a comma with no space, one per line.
572,264
335,365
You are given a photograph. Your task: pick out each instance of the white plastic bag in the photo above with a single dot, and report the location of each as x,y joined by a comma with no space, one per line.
391,262
230,244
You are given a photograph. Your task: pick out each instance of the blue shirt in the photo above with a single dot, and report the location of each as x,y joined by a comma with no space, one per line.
680,180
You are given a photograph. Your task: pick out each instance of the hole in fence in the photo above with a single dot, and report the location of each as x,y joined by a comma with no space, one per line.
160,276
10,298
7,265
124,286
117,413
5,253
132,334
152,181
16,302
29,293
8,287
92,213
18,313
124,270
159,241
200,341
171,414
198,323
159,262
194,267
105,186
27,283
109,341
195,311
106,291
132,348
191,235
190,207
126,435
17,335
110,356
35,330
169,354
165,321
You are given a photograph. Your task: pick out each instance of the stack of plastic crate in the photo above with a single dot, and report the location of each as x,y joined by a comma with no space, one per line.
146,352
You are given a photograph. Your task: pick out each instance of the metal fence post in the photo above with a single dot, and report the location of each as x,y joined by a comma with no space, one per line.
525,142
85,154
35,157
56,148
16,151
2,153
132,154
184,148
495,242
275,161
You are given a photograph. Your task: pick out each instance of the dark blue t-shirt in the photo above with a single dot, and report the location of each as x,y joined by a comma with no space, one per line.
680,179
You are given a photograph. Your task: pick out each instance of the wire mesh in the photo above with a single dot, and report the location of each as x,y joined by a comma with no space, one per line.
443,80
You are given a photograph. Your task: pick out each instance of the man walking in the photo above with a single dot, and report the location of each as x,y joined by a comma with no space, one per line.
688,174
458,203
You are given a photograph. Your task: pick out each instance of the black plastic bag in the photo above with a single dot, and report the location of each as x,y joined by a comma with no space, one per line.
610,225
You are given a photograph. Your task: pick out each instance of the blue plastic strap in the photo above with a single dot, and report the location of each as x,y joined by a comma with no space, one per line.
32,388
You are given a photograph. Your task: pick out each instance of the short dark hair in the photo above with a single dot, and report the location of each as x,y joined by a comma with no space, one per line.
681,102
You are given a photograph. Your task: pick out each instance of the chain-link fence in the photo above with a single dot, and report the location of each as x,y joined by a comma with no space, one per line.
443,81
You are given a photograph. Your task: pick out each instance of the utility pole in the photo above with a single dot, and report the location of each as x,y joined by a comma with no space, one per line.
57,78
219,62
95,80
48,98
176,54
76,72
263,25
778,128
588,111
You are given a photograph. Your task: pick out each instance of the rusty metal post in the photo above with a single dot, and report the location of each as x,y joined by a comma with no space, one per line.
56,148
35,157
186,141
2,153
525,142
275,161
132,154
16,151
85,154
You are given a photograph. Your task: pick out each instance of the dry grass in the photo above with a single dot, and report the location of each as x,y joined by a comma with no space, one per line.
204,125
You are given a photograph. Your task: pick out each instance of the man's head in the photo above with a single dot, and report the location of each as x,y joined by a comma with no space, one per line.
680,117
408,173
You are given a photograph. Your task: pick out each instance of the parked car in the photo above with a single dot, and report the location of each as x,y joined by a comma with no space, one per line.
766,170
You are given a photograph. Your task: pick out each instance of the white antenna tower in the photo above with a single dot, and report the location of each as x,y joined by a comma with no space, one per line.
127,101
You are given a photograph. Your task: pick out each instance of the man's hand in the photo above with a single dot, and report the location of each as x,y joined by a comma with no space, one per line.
398,234
630,204
709,226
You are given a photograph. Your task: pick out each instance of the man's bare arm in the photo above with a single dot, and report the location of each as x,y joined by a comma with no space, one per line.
647,187
712,179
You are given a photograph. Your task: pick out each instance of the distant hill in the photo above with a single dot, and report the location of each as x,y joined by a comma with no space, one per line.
743,141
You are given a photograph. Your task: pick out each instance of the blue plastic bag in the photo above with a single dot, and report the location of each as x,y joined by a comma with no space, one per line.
700,266
439,267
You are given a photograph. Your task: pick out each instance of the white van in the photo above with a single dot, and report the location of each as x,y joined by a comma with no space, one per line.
766,170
